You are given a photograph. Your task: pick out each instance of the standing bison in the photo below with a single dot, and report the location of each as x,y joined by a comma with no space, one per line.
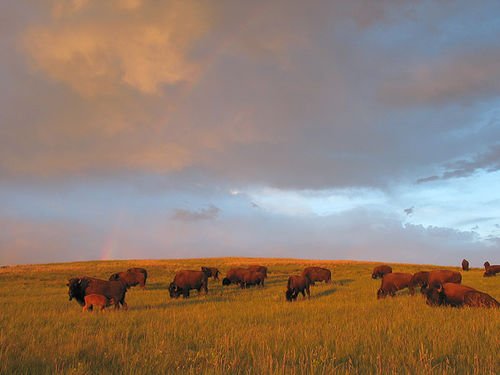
435,278
211,272
130,278
97,300
490,270
234,276
380,271
139,270
317,274
251,278
465,265
186,280
261,269
296,285
456,295
80,287
392,282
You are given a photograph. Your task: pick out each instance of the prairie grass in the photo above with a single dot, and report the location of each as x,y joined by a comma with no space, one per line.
342,329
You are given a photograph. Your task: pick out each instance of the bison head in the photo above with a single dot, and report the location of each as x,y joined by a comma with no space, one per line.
435,296
289,295
174,290
381,293
375,275
114,277
226,281
486,264
76,289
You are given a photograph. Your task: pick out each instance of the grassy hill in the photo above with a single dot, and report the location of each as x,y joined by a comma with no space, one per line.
343,328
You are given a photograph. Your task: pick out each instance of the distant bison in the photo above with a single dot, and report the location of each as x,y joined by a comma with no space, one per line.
296,285
186,280
234,276
317,274
97,300
456,295
130,278
490,270
465,265
261,269
80,287
392,282
380,271
251,278
211,272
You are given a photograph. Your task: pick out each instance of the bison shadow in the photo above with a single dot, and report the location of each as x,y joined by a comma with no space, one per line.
324,293
342,282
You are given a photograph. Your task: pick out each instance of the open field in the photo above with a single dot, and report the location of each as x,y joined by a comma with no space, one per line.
343,328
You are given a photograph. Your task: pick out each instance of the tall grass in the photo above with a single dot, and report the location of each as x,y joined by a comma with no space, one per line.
343,328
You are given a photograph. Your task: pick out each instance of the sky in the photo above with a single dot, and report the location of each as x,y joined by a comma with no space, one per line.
135,129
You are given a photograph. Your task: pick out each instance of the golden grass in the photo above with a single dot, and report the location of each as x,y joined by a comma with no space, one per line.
343,328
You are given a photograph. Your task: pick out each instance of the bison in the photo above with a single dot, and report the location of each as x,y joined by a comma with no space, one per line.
296,285
456,295
211,272
392,282
186,280
97,300
234,276
490,270
380,271
465,265
140,270
130,278
250,278
317,274
261,269
435,278
80,287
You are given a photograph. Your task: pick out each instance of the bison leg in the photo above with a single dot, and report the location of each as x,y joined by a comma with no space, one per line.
185,293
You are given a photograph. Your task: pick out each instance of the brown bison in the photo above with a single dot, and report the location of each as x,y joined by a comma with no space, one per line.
80,287
456,295
380,271
261,269
97,300
211,272
490,270
435,278
465,265
251,278
392,282
317,274
296,285
234,276
140,270
129,278
186,280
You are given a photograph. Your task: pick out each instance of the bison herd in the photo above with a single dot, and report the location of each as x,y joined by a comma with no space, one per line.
440,287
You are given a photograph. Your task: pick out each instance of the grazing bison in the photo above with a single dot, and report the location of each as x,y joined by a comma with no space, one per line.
465,265
250,278
296,285
392,282
129,278
97,300
380,271
140,270
80,287
490,270
317,274
186,280
261,269
211,272
456,295
234,276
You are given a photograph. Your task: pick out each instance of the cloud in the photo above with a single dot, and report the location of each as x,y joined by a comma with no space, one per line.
209,213
129,44
409,211
488,161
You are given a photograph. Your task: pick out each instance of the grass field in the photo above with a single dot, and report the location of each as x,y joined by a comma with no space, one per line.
343,328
